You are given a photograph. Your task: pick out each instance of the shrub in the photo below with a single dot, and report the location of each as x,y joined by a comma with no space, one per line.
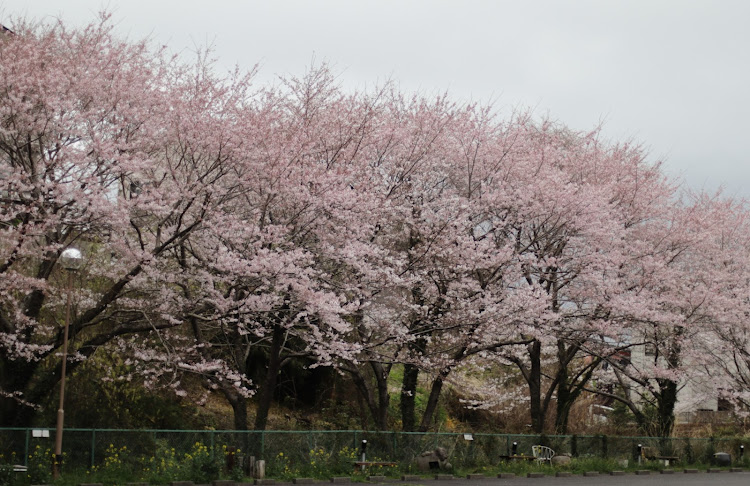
201,465
280,467
116,468
6,474
163,467
40,465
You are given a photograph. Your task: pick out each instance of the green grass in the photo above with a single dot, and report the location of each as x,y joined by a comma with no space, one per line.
322,467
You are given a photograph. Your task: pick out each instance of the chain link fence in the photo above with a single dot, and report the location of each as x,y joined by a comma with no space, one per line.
88,447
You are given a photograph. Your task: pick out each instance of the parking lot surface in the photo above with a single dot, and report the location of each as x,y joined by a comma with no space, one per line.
679,478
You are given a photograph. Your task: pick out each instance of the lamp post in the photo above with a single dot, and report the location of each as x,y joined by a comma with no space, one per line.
364,450
71,260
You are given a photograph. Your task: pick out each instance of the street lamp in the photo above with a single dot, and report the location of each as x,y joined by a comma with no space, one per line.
71,260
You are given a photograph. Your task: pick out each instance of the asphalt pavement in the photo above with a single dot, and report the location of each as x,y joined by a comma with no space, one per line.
679,478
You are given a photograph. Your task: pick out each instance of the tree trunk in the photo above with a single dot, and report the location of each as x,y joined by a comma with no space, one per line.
667,396
437,386
377,405
384,398
362,408
408,397
416,349
366,393
432,401
564,402
535,387
239,408
265,393
567,392
666,400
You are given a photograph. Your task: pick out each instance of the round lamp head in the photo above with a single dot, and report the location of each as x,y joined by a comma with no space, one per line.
71,259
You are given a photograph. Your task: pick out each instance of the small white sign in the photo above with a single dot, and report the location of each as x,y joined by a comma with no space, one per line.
468,437
40,433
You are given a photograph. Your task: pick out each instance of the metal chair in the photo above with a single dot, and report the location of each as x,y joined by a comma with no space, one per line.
542,453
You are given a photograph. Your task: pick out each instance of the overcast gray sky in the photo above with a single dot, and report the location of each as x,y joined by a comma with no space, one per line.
671,74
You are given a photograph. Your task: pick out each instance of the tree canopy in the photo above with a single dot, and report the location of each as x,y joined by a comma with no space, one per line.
224,223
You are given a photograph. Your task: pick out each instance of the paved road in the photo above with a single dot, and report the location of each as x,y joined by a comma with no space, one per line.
653,479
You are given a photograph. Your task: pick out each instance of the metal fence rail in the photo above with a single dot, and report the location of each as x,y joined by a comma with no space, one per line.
88,447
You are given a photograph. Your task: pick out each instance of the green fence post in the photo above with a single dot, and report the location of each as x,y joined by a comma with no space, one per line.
26,453
212,433
93,447
471,450
262,443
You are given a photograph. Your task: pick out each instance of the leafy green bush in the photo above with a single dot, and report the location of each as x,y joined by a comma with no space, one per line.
164,467
319,465
201,465
322,464
6,474
280,467
117,468
40,465
342,461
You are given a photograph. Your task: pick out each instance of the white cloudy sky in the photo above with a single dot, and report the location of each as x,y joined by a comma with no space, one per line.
672,74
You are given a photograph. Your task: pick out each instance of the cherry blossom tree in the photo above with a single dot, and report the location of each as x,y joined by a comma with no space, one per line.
572,200
365,230
115,148
687,270
273,265
447,298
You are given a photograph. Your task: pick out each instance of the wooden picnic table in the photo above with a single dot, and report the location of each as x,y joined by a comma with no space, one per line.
364,464
518,457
